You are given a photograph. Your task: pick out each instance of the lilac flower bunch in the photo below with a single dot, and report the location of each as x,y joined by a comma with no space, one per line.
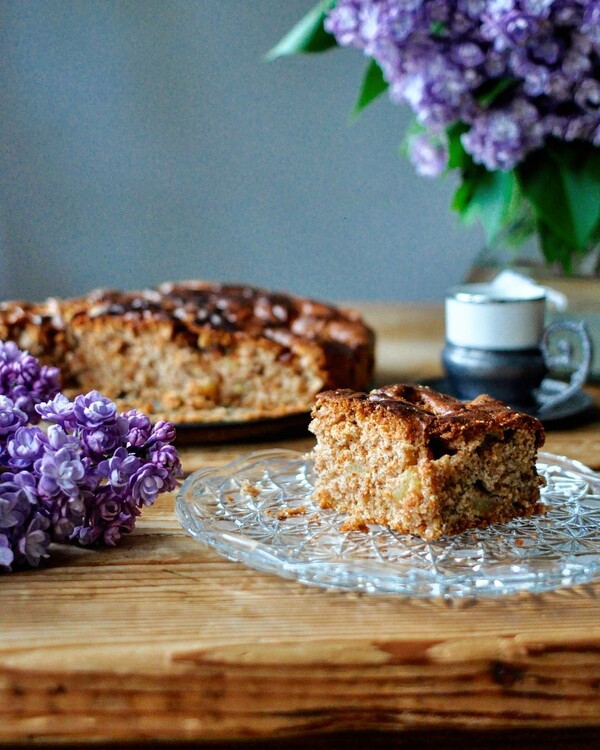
496,86
84,479
445,58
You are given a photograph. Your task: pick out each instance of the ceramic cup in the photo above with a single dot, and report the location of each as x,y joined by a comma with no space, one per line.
496,343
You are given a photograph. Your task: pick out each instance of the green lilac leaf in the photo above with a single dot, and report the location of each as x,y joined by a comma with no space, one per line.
491,90
554,249
437,28
462,198
491,200
595,235
541,180
457,156
308,35
580,171
373,85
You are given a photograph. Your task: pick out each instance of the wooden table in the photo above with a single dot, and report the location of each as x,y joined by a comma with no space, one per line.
161,639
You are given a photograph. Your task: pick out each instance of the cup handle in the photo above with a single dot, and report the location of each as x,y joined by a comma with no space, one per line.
560,355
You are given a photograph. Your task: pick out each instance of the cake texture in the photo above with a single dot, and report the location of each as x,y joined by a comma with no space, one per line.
197,351
424,463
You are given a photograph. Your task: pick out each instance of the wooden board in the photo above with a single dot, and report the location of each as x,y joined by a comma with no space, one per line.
162,639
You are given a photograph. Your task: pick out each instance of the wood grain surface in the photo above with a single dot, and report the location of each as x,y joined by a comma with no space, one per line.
160,639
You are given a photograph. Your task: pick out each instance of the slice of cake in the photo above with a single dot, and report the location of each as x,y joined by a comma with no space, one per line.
197,351
424,463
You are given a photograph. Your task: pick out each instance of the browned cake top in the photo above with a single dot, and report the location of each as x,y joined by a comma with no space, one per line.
146,303
439,415
21,313
237,307
231,308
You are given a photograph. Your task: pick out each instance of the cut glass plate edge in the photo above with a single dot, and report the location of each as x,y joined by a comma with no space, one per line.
375,576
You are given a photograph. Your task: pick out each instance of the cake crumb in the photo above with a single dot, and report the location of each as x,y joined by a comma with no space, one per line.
299,510
353,525
249,488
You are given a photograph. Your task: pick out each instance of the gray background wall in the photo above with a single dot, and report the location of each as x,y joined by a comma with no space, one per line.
148,140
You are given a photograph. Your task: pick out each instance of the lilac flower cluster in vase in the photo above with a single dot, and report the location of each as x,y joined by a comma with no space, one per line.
507,92
84,478
443,57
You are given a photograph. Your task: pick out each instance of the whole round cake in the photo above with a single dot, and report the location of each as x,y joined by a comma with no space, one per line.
197,351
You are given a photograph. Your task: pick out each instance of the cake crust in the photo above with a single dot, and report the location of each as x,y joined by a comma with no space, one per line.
197,351
422,462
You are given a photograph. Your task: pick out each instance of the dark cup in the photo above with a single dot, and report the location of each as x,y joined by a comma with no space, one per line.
511,376
496,343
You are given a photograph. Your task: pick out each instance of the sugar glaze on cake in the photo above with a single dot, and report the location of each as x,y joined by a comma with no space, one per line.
197,351
424,463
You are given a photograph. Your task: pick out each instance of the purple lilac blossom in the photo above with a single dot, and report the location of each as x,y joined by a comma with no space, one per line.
147,483
59,437
119,468
81,480
139,427
65,515
163,432
428,155
59,410
112,533
14,507
166,457
104,439
60,472
11,416
33,543
441,57
93,409
25,447
24,539
26,482
109,519
25,380
6,553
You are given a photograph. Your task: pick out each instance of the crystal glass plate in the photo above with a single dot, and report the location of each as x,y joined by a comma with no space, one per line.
258,510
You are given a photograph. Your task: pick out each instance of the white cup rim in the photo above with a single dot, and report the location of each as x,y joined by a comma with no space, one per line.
486,293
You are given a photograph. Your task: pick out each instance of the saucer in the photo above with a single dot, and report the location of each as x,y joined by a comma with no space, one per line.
571,410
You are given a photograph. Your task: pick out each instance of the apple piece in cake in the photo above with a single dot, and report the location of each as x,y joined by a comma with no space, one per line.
424,463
